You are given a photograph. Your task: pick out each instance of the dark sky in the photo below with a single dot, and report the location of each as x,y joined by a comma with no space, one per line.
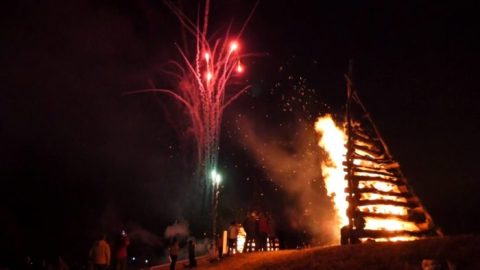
76,155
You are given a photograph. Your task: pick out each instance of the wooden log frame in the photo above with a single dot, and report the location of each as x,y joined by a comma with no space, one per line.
364,137
408,204
380,161
417,217
388,167
372,165
361,169
358,175
376,191
397,181
365,143
364,140
390,234
362,133
376,154
382,169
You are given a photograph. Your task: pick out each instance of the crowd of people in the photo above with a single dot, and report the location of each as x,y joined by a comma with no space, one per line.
257,230
100,257
100,254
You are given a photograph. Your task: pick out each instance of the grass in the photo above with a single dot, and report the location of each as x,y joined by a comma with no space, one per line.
461,251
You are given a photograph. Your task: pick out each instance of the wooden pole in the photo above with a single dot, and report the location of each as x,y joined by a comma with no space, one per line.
351,187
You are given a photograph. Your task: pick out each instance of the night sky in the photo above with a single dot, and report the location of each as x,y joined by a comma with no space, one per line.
78,157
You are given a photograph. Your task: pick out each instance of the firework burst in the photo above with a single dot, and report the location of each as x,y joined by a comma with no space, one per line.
202,77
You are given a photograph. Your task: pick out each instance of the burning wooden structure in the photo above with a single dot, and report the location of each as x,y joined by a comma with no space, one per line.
381,204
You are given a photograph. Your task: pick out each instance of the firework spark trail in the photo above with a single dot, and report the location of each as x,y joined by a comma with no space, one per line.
202,82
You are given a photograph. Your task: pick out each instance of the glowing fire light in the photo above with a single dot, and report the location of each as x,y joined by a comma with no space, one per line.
333,140
241,238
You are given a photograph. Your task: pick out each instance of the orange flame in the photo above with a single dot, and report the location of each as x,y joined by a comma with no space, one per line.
333,141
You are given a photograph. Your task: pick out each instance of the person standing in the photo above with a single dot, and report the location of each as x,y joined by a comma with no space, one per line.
220,246
232,238
263,229
100,254
122,254
250,226
192,262
173,251
58,264
271,232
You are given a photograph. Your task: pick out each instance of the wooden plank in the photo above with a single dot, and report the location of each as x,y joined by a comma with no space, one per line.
359,132
365,138
397,181
375,160
388,234
410,204
374,171
376,191
371,152
417,217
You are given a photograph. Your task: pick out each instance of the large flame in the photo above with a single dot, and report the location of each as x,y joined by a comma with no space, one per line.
333,140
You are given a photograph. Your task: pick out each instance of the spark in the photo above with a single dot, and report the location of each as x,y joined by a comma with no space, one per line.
239,68
233,46
209,76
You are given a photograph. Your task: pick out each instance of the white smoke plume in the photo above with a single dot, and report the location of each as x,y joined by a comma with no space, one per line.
179,229
140,234
292,161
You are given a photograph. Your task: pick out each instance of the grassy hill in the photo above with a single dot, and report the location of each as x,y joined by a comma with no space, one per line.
461,251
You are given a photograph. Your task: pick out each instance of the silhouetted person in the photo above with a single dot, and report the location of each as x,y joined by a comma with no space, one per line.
58,264
42,265
220,246
359,222
263,229
122,253
232,237
173,251
192,262
100,254
213,251
271,231
344,235
250,226
27,263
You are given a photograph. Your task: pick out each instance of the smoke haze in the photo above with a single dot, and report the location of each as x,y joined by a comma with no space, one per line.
293,163
178,229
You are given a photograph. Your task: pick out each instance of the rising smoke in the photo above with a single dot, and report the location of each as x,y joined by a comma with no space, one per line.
145,236
293,163
179,229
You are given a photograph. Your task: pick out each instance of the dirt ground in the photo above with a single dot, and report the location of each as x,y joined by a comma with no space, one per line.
459,252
